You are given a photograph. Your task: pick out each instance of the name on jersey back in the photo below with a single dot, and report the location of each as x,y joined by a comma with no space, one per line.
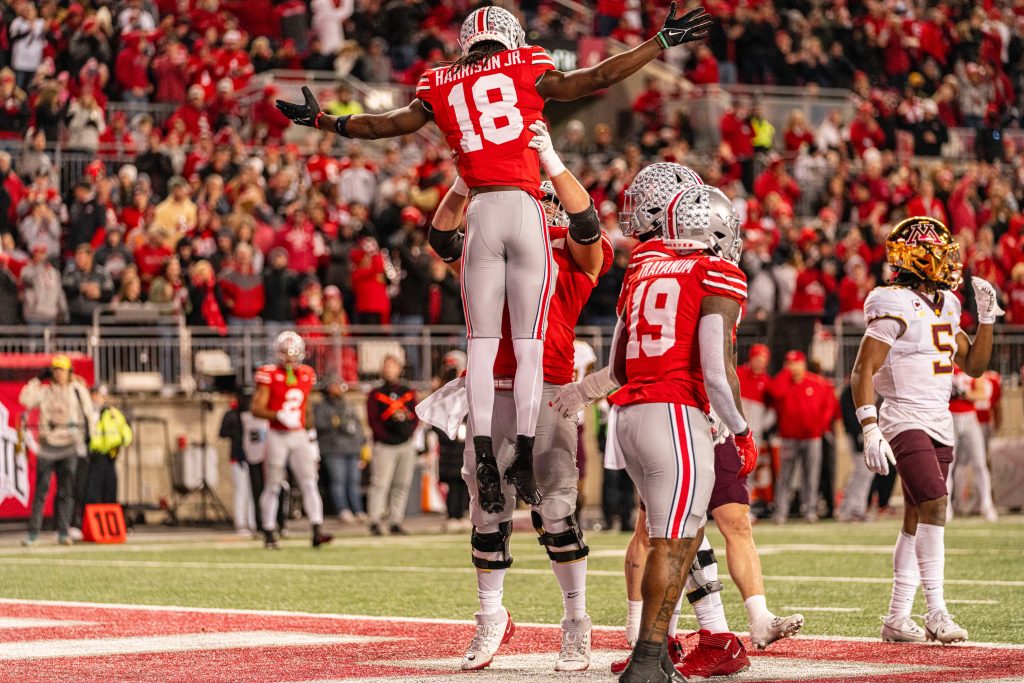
493,63
665,267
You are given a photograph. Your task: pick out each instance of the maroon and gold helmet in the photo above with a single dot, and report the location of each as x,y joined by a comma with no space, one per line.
923,248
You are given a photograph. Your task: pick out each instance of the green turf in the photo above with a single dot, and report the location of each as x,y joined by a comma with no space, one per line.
430,576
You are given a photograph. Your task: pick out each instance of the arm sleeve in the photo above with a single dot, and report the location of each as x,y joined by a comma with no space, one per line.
423,91
540,62
716,379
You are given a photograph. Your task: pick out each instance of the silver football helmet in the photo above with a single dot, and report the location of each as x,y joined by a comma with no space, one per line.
701,218
553,210
289,348
491,23
645,200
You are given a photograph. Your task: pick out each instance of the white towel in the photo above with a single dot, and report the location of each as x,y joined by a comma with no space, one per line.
446,408
613,459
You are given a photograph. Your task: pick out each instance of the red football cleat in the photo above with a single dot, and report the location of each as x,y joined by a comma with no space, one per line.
676,652
717,654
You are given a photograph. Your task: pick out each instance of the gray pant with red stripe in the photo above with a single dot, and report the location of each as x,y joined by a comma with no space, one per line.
507,257
670,456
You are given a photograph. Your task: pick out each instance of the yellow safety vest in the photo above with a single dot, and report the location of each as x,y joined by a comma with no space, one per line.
111,433
764,133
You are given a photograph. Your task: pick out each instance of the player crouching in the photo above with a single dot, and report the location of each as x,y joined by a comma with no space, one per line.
282,395
907,355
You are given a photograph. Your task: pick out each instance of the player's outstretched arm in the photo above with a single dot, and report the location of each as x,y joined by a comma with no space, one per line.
390,124
973,357
561,86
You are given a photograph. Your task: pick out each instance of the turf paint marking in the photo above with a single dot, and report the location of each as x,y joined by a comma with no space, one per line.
223,645
14,622
790,608
971,602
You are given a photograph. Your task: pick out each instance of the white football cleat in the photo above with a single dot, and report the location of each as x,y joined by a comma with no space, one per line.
492,631
767,631
901,630
575,652
939,626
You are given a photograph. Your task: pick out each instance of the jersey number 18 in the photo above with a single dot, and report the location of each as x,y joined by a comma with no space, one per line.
490,112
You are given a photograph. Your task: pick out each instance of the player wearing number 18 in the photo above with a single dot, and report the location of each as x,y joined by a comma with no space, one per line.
484,103
913,338
282,394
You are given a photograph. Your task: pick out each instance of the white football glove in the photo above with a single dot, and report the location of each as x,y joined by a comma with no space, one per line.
289,419
987,300
541,142
574,397
877,451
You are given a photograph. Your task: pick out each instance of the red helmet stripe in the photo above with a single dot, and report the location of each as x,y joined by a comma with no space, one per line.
481,21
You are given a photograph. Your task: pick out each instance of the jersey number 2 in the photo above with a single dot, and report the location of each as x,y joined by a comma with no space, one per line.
947,348
655,302
490,112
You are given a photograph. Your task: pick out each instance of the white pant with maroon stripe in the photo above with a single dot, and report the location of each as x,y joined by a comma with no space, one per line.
670,456
507,257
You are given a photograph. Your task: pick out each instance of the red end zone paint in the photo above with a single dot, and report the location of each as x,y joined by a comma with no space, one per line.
398,648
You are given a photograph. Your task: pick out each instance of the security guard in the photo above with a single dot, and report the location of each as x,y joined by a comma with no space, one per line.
110,435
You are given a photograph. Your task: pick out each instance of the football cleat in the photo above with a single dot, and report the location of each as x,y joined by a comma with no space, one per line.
940,627
716,654
520,472
492,631
901,630
322,539
767,631
575,652
650,670
676,654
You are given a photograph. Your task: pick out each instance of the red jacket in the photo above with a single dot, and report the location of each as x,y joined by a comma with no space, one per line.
369,285
131,69
753,386
806,409
243,293
150,261
738,133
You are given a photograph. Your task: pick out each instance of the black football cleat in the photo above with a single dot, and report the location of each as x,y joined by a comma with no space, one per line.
648,665
269,541
488,478
520,473
320,538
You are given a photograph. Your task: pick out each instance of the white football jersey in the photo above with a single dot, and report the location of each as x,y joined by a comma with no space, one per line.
916,379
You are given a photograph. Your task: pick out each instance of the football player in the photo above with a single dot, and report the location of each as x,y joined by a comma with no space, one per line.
907,355
569,210
969,448
485,103
282,394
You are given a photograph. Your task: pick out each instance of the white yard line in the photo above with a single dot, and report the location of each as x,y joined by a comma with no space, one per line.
791,608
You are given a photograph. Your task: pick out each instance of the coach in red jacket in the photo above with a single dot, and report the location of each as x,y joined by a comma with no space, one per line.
754,381
806,406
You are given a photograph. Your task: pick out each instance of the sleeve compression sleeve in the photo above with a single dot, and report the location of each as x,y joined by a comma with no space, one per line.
716,380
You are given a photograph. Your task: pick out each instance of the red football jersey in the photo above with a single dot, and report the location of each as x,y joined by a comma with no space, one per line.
485,111
662,306
572,289
993,392
288,393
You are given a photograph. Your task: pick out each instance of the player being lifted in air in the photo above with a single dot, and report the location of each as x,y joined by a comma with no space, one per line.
907,356
282,395
571,217
484,103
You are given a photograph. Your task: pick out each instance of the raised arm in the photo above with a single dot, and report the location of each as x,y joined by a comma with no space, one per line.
561,86
408,119
973,357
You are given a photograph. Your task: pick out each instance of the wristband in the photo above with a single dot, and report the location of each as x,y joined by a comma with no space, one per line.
864,412
316,121
552,164
661,40
341,125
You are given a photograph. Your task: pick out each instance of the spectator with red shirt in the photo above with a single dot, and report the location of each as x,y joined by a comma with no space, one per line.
865,133
736,130
369,284
927,204
193,114
608,15
704,68
131,70
797,135
297,238
754,380
151,255
241,289
853,290
776,179
1014,296
269,122
232,62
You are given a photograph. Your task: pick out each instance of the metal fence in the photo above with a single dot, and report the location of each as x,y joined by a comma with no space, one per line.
179,358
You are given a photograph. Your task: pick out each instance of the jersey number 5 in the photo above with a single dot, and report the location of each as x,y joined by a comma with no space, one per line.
490,112
947,348
655,302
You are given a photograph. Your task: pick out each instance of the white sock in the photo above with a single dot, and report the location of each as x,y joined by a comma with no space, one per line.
906,576
489,588
673,623
709,610
634,611
931,560
480,382
572,580
529,383
757,609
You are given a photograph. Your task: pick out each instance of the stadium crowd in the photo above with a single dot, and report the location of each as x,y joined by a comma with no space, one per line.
215,211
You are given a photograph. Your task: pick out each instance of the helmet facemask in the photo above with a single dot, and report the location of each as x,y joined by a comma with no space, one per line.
701,218
554,212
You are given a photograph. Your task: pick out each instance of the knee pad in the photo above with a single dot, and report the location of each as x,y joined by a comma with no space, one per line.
563,546
705,586
490,549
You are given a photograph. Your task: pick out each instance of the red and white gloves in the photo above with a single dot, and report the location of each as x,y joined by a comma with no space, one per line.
747,447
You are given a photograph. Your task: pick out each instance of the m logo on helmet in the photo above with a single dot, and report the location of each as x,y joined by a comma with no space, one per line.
923,232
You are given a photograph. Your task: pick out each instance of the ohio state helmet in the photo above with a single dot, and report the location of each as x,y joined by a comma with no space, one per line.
924,249
556,214
701,218
289,347
644,202
491,23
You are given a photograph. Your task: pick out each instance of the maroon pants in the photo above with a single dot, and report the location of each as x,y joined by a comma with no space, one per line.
922,463
728,487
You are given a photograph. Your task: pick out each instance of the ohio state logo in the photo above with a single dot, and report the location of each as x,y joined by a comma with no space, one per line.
13,465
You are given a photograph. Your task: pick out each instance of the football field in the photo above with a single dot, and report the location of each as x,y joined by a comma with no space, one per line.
396,608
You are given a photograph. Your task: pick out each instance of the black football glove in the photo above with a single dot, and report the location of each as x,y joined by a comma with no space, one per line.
692,26
306,114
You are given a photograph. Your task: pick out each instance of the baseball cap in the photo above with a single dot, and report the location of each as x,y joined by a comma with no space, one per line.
795,356
61,361
759,350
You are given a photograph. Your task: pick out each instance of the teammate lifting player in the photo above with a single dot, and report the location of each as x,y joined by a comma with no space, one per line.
579,261
907,355
484,103
282,395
